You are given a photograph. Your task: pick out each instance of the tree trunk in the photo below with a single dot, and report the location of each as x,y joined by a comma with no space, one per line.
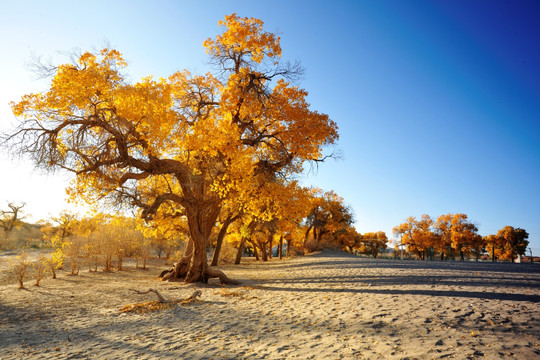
280,247
219,241
288,248
240,250
264,253
193,267
255,252
199,261
319,238
307,235
270,244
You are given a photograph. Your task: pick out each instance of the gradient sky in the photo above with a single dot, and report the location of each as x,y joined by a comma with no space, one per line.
438,102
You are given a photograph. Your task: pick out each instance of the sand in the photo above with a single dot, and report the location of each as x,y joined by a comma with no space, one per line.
323,306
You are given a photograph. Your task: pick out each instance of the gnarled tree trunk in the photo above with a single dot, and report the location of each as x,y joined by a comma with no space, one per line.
193,267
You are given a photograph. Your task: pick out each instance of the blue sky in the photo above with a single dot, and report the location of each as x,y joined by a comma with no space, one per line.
438,102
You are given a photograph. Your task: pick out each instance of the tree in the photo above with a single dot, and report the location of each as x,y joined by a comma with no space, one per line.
328,216
477,246
463,234
373,243
10,220
443,228
416,234
513,242
200,137
493,244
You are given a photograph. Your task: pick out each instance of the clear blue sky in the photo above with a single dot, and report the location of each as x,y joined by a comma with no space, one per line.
438,102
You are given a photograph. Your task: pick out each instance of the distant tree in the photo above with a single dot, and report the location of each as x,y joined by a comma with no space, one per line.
463,234
10,220
477,246
416,234
513,242
328,217
443,228
373,243
493,245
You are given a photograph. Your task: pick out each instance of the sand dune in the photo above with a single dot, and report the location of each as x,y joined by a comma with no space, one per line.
324,306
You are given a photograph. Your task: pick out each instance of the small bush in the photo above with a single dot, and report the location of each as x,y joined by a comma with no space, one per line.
228,252
39,268
311,246
20,266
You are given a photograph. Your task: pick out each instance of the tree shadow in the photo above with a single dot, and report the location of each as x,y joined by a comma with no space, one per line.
507,280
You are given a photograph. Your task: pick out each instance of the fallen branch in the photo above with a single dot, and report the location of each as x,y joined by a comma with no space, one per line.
162,303
161,298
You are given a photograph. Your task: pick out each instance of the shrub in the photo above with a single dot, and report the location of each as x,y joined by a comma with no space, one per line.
20,266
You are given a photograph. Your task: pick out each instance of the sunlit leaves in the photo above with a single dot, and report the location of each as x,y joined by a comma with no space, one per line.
244,36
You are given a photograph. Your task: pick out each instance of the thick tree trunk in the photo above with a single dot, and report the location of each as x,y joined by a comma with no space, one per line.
280,247
199,262
264,253
193,267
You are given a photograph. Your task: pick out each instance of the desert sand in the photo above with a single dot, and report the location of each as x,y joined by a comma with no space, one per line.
328,305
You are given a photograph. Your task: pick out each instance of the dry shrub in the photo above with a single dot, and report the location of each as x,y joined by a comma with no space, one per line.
74,263
53,262
311,246
20,266
227,254
40,267
177,255
293,252
329,244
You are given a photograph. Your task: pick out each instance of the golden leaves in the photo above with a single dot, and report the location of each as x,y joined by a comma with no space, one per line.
244,37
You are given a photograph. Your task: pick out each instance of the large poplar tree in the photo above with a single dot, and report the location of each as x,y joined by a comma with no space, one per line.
188,141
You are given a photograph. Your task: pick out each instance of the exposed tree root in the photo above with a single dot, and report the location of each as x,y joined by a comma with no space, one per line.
160,304
224,279
180,272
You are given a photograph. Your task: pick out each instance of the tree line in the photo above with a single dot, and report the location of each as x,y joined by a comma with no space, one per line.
453,235
310,220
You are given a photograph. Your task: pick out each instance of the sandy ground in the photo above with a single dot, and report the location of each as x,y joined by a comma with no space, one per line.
324,306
